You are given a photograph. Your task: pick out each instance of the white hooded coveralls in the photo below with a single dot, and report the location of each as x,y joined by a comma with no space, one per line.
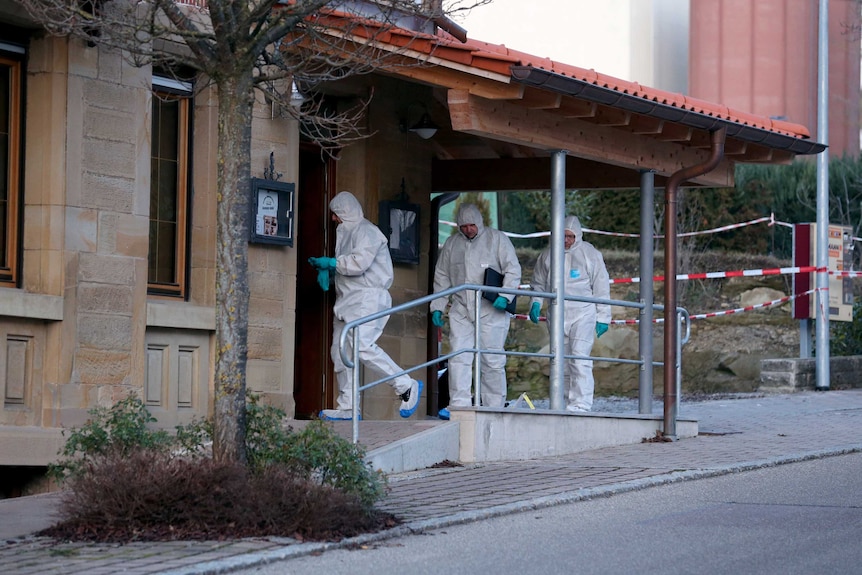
463,261
363,274
586,275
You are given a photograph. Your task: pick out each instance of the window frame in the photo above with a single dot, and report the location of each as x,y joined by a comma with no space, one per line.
13,57
182,93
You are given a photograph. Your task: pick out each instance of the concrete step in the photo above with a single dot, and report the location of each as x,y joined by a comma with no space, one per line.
402,445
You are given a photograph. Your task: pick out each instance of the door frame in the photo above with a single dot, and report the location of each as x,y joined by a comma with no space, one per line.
314,383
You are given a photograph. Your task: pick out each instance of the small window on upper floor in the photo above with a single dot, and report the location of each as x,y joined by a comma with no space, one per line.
169,187
11,146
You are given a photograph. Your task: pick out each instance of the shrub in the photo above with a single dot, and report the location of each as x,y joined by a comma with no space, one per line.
121,428
149,495
126,481
266,436
318,453
315,453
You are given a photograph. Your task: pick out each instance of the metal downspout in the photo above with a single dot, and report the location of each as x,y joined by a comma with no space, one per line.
671,331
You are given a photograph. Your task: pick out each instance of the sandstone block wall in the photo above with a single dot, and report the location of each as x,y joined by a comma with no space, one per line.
795,374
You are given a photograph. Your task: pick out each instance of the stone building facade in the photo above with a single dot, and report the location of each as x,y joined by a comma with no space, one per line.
81,325
107,266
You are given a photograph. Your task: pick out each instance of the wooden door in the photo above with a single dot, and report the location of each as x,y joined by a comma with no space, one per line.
314,386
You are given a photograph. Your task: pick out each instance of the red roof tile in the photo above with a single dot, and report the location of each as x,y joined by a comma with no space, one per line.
499,59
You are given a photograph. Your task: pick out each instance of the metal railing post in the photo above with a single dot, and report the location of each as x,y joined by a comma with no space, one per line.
355,383
678,366
477,357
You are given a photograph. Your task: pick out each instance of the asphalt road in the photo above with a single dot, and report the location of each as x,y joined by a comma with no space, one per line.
800,518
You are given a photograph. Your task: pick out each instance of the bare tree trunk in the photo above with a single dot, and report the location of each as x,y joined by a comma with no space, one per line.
232,291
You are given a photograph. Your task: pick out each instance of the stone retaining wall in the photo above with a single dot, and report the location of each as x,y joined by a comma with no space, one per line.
794,374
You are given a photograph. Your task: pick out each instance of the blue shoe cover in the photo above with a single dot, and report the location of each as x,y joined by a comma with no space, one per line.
408,408
443,414
336,415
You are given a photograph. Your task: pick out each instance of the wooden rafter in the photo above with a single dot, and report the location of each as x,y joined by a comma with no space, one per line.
675,133
545,130
540,99
574,108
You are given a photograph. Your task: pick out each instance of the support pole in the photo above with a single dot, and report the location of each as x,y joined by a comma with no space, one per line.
556,309
821,326
645,336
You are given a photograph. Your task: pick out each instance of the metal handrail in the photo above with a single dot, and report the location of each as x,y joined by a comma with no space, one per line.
353,362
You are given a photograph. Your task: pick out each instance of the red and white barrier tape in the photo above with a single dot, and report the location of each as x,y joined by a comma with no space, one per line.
770,218
745,273
737,273
778,301
847,274
732,274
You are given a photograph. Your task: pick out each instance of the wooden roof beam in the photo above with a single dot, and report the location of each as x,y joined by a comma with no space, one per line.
758,154
545,130
646,125
733,147
574,108
490,88
671,132
607,116
520,174
540,99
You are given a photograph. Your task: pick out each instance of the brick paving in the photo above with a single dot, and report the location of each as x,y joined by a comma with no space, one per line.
735,434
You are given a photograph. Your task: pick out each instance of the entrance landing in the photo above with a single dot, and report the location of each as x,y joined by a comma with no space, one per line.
476,435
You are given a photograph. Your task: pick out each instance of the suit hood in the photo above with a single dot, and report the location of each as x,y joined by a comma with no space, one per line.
347,208
470,214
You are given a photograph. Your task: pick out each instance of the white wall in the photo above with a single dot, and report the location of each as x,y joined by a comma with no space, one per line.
645,41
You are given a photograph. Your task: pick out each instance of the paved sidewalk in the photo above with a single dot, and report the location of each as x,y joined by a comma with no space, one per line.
735,435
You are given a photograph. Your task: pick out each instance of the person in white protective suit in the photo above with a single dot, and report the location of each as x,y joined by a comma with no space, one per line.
586,275
362,269
463,260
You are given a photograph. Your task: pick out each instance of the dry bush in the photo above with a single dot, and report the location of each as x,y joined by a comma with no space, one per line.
148,495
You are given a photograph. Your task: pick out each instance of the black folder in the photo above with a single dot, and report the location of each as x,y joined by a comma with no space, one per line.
495,279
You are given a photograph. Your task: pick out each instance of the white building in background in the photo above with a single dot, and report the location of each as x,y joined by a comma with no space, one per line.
624,38
759,56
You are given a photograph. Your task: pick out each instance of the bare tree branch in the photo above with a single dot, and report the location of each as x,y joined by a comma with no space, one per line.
237,46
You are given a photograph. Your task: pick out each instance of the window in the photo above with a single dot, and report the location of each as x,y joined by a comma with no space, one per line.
10,166
169,189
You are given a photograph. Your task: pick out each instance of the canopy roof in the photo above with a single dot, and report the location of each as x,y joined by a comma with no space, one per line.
502,104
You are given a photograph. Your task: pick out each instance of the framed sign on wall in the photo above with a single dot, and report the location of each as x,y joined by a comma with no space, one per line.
272,205
399,222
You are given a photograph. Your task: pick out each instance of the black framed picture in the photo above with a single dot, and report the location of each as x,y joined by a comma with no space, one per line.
399,222
272,205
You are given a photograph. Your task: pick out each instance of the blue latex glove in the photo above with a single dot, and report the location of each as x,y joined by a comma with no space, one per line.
501,302
535,310
323,279
323,263
601,328
437,318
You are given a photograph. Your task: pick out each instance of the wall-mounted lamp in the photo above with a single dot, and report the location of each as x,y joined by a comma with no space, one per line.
425,128
296,97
